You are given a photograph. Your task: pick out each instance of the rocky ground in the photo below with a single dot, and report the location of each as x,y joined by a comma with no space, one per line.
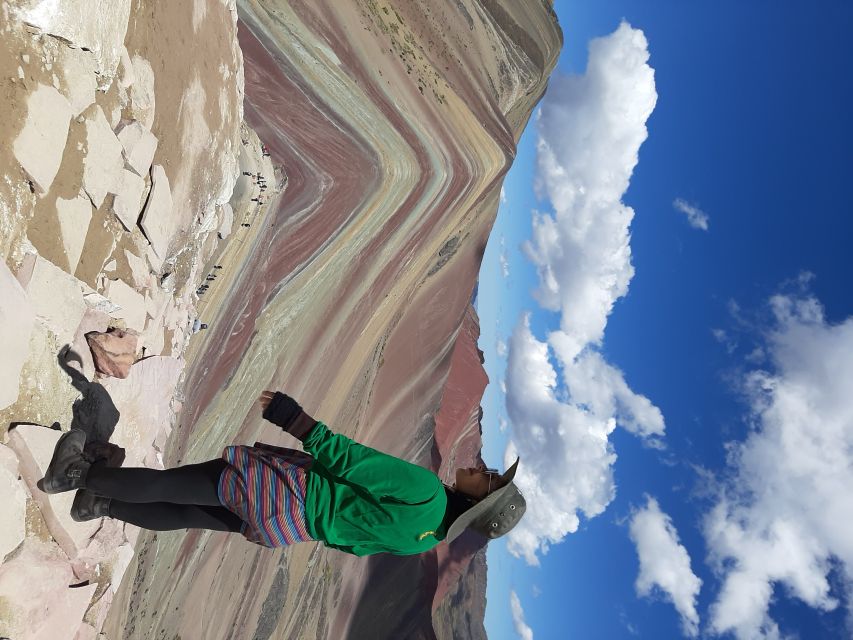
127,173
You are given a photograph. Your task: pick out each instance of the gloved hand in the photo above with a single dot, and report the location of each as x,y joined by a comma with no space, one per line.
282,410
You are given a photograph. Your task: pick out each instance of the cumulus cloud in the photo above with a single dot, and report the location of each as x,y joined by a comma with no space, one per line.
783,517
567,437
590,131
524,632
697,218
665,563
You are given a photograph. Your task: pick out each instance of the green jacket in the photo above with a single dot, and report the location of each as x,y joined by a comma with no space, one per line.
363,501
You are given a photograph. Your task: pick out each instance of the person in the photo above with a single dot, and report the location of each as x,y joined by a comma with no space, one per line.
347,495
197,326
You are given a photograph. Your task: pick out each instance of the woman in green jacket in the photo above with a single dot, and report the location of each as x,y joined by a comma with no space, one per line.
347,495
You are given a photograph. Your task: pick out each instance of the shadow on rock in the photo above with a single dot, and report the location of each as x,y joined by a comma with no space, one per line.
94,412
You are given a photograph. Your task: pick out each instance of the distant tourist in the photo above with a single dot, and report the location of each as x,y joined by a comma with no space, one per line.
349,496
198,325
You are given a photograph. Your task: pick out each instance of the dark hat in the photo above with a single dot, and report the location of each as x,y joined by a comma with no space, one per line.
494,515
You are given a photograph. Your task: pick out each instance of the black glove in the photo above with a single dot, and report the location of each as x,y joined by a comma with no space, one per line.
282,410
285,412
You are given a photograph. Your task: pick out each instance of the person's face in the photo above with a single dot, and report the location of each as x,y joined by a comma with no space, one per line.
476,481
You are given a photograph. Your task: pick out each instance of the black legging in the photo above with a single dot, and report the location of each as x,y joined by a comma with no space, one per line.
180,498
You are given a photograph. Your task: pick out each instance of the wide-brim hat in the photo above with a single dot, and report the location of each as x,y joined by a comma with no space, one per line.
494,515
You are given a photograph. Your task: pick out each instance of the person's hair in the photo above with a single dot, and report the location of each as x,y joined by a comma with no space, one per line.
457,504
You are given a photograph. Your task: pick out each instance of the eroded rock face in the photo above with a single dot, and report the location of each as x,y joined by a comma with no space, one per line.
139,145
131,303
157,217
38,602
142,101
143,401
129,194
75,214
13,506
114,351
39,146
96,26
57,298
103,163
16,325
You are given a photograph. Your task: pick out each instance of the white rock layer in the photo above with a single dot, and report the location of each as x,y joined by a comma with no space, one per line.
39,146
16,326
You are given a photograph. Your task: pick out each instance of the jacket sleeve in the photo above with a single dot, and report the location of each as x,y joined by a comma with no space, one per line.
381,474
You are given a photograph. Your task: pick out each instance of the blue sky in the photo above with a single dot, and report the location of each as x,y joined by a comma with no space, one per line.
723,358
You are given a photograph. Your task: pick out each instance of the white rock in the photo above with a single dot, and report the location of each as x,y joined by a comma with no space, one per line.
139,145
103,163
143,401
96,301
13,506
86,632
227,220
16,326
25,58
78,70
154,261
101,552
34,446
122,559
142,101
125,69
25,271
37,602
110,266
157,220
99,26
39,146
142,278
129,191
115,116
56,298
74,217
132,304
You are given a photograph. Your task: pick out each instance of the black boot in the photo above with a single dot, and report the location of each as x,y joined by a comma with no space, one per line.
67,469
88,506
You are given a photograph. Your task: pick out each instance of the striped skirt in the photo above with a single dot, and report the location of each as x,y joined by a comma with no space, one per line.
265,486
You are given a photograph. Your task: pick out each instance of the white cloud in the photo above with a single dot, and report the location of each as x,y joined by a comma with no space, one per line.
697,218
503,195
665,563
783,517
500,348
504,261
590,131
564,445
721,336
524,632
